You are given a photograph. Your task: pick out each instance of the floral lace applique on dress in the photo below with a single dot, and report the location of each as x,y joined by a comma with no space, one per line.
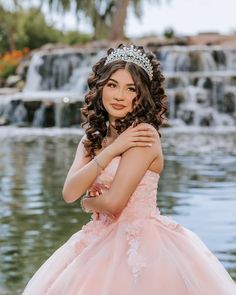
135,260
168,221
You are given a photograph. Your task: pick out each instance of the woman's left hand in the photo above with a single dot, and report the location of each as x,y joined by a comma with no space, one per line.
89,202
95,191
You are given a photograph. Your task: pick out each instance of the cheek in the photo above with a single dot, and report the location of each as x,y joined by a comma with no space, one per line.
104,96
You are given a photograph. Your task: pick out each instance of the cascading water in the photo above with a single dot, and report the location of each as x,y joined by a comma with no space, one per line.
60,71
57,78
200,83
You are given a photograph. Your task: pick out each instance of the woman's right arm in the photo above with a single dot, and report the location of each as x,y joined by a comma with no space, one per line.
83,171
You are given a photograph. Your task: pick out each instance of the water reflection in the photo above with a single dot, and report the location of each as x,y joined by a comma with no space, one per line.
197,188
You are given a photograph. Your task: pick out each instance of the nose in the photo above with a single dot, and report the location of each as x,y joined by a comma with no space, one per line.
119,95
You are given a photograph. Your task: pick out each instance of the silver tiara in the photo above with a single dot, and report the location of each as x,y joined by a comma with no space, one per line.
131,54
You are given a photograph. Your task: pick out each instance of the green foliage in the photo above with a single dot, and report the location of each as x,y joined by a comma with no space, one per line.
73,38
3,40
102,13
8,70
33,30
21,29
169,33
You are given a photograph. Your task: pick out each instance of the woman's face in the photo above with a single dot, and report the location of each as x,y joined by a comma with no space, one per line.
118,94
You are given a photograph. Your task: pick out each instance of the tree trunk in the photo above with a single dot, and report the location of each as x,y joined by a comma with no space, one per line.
8,24
118,20
10,39
100,28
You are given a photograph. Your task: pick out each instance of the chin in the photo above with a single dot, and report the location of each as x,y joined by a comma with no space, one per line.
118,114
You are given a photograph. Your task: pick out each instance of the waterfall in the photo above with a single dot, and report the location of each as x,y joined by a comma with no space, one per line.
60,71
200,83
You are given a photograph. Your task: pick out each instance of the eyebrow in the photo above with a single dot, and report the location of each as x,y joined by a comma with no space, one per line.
131,84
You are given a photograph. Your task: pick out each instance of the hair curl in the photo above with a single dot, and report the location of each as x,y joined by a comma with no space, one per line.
151,95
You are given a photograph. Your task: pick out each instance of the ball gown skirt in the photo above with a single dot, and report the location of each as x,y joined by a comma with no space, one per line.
140,252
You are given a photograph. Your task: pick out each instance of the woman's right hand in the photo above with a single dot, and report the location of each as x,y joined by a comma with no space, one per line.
141,135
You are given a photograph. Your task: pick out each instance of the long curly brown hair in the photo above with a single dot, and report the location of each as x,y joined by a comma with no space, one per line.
150,109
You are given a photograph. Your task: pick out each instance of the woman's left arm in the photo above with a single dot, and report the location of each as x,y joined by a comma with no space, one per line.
133,165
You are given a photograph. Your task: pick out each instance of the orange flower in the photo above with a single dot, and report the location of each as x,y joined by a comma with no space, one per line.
26,50
2,68
16,54
7,57
15,63
10,60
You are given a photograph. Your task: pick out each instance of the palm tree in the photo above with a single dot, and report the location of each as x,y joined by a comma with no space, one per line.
99,12
107,16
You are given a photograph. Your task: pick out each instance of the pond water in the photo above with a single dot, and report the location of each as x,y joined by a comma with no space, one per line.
197,188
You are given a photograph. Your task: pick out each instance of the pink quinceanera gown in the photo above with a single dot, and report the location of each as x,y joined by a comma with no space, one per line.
141,252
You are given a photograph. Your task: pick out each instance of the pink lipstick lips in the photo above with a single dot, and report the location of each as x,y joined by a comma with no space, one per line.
117,106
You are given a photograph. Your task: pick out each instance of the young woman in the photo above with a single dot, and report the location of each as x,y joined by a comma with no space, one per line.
128,247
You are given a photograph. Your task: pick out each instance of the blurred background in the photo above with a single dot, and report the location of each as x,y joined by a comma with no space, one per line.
47,48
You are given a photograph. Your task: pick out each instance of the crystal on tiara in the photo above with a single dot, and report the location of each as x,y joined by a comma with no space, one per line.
131,54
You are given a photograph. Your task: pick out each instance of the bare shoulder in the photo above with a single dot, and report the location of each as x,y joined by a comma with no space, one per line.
157,136
140,156
147,125
157,164
84,137
150,126
81,151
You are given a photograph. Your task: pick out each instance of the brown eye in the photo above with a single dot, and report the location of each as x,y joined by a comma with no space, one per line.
112,85
132,89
